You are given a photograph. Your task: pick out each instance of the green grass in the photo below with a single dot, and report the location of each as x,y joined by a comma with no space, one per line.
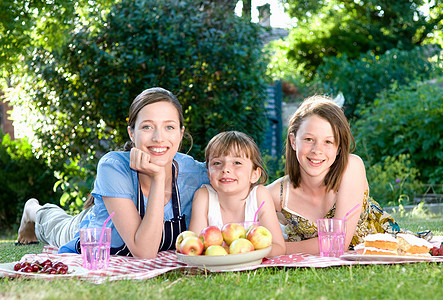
405,281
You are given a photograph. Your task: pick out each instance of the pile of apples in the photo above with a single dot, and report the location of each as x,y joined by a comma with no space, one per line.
233,238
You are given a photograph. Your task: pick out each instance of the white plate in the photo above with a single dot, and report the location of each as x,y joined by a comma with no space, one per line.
72,271
225,262
361,257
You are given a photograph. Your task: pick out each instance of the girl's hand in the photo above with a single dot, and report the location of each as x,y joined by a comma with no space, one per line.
140,161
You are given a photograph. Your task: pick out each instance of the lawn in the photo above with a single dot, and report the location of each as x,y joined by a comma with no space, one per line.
406,281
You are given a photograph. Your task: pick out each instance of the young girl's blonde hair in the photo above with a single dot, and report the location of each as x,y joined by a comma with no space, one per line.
237,144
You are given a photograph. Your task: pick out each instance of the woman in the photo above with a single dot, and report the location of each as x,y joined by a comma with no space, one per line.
149,186
324,180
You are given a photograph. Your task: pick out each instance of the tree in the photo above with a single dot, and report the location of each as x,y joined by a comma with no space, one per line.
212,61
27,24
334,28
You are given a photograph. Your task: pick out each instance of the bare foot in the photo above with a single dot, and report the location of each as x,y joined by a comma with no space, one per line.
26,232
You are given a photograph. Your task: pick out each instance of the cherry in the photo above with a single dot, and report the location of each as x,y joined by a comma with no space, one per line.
17,266
62,267
26,269
35,268
46,269
62,271
47,262
58,265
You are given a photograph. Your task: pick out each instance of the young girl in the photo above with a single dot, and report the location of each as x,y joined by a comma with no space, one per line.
324,180
236,172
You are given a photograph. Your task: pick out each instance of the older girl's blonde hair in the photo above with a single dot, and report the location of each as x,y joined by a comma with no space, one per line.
325,108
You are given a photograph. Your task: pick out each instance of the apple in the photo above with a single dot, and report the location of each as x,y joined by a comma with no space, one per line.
182,236
241,245
214,250
211,235
250,228
232,232
191,245
260,237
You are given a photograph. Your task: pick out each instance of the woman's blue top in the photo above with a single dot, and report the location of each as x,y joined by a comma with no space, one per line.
116,179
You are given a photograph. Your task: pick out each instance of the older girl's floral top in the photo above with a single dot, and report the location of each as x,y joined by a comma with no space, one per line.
373,219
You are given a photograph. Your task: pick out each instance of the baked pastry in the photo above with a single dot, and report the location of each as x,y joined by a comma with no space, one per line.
380,244
359,248
411,245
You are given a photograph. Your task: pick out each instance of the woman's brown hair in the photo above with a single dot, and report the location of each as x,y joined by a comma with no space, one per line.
325,108
149,96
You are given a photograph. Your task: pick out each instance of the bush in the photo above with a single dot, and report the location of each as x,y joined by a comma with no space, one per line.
392,180
360,80
212,61
405,120
22,176
275,167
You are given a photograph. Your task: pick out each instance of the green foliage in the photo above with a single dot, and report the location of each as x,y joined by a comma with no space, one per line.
212,61
26,24
275,167
405,120
337,28
76,183
22,176
372,74
393,180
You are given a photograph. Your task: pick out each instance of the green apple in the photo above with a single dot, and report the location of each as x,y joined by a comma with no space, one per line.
240,245
260,237
182,236
232,232
191,245
215,250
211,235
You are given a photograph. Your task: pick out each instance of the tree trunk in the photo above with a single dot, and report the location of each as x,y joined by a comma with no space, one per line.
246,11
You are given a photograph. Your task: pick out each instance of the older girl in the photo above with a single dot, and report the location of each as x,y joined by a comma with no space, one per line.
324,180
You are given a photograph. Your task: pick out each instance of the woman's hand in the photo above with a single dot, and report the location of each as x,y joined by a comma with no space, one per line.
140,161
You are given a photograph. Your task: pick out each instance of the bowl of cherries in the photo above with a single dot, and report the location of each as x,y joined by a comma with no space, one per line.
45,267
437,251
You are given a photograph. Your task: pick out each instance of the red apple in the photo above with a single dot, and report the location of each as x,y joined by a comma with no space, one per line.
211,235
191,245
214,250
249,228
182,236
241,245
232,232
260,237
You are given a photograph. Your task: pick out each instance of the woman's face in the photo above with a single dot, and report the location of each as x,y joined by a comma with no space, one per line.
315,146
157,132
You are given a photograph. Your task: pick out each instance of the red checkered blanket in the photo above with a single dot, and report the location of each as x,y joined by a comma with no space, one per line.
125,268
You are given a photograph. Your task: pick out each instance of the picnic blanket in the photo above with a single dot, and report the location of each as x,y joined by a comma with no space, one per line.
129,268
